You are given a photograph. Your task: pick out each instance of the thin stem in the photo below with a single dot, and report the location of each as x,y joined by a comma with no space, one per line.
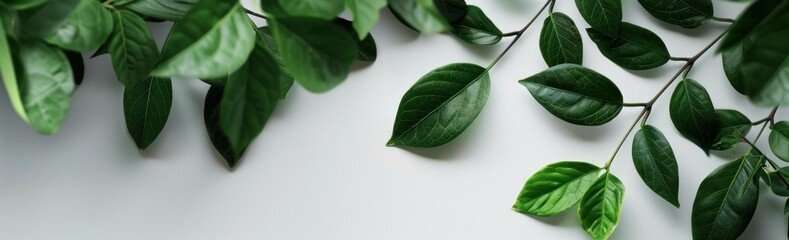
768,162
518,36
679,59
550,9
769,120
622,142
510,34
634,104
720,19
253,13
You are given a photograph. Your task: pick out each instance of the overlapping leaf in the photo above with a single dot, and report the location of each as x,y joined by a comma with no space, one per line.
604,16
733,126
693,114
600,206
683,13
47,85
555,188
421,15
476,28
634,48
779,140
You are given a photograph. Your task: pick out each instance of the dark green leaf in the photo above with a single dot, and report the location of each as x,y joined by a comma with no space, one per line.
732,64
191,47
766,63
683,13
24,4
132,49
452,10
285,78
319,53
777,184
440,106
560,41
576,94
322,9
605,16
476,28
655,162
365,14
172,10
44,20
600,206
367,50
555,188
421,15
747,23
218,139
733,127
146,106
635,48
250,96
9,70
47,86
693,114
779,140
84,29
726,200
77,65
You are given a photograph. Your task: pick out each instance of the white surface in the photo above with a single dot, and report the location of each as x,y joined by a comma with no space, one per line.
320,169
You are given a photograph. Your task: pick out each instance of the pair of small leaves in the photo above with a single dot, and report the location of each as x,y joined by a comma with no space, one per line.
683,13
559,186
560,41
576,94
726,199
77,25
634,47
693,114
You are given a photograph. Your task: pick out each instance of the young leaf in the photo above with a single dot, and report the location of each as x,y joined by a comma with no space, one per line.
365,14
635,48
367,51
733,127
683,13
560,41
215,134
9,72
191,47
421,15
47,86
555,188
476,28
321,9
726,199
766,63
440,106
655,162
693,115
146,107
172,10
732,64
779,140
452,10
319,53
604,16
576,94
77,65
85,28
600,206
747,23
132,49
250,96
285,78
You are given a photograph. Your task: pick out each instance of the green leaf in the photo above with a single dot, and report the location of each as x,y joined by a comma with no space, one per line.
693,114
476,28
421,15
600,206
777,185
172,10
766,63
146,107
365,14
285,78
191,47
655,162
24,4
560,41
635,48
779,140
605,16
683,13
322,9
452,10
250,96
215,134
441,105
319,53
132,49
85,28
47,86
77,65
726,200
732,64
10,72
747,23
367,50
45,20
576,94
555,188
733,127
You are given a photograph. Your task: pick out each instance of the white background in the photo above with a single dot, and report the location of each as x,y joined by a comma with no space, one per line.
320,169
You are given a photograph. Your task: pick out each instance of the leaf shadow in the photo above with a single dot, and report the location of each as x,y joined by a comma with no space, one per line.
584,133
705,29
650,74
516,6
731,154
455,148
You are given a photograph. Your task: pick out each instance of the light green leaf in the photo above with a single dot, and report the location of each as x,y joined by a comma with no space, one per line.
319,53
421,15
365,14
86,28
576,94
726,199
683,13
24,4
779,140
47,86
604,16
146,107
635,48
476,28
600,206
172,10
440,106
693,114
733,127
655,162
191,49
555,188
10,73
132,49
560,41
